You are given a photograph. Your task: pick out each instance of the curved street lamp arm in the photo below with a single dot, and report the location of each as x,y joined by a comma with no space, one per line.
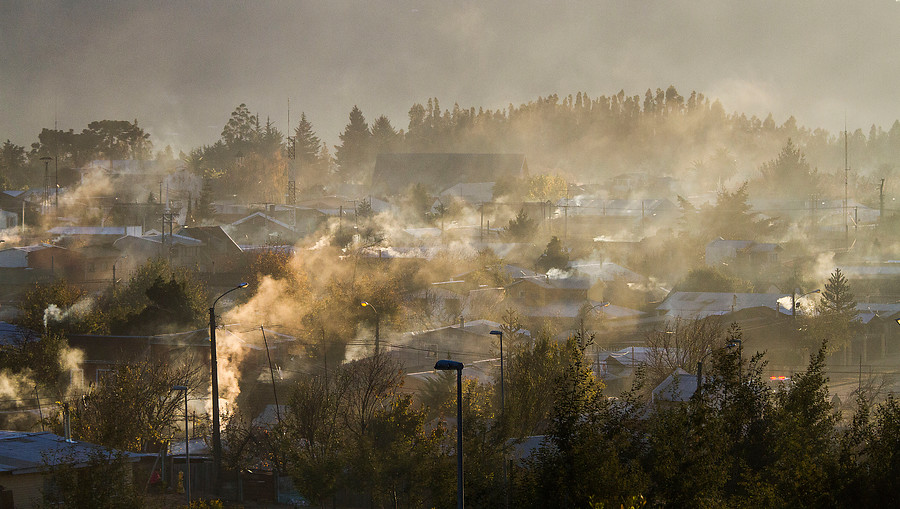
238,287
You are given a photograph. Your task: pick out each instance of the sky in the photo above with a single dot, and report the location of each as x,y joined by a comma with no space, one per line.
181,67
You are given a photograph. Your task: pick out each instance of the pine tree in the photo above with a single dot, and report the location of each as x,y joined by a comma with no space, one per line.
554,256
837,299
384,137
354,152
307,143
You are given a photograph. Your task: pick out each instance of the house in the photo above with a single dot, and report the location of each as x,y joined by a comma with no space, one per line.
676,388
469,192
14,202
217,251
395,172
543,291
73,236
181,251
26,459
8,220
688,305
466,342
744,253
259,229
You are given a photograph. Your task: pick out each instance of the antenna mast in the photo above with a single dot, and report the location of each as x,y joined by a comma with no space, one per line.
291,195
846,187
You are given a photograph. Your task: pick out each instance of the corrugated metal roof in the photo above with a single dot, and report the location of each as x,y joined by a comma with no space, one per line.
23,453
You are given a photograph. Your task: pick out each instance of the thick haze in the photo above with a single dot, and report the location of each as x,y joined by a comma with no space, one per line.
180,68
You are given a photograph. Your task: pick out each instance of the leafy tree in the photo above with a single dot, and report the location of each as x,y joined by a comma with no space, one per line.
12,165
120,139
103,479
157,299
314,435
530,368
522,227
555,256
709,279
241,129
59,306
546,187
134,408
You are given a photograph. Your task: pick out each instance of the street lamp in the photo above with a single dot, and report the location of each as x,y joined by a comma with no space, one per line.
448,365
214,369
794,300
187,450
502,398
377,323
502,403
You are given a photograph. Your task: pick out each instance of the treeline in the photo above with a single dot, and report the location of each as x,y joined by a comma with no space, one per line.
585,138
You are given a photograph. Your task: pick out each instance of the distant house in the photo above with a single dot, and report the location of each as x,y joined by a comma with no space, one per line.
218,251
180,250
91,235
688,305
676,388
544,291
395,172
27,458
472,193
8,220
259,229
467,342
15,202
746,253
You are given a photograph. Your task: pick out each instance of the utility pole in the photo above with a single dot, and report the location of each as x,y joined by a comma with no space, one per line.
880,201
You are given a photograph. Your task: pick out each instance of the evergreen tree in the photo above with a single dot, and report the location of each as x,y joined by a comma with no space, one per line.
353,155
554,256
788,172
837,299
306,142
385,138
522,227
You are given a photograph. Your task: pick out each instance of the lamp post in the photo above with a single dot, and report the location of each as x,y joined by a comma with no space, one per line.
214,370
502,397
502,407
377,323
187,450
448,365
794,300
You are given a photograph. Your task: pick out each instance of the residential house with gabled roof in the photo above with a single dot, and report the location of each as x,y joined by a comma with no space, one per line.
76,236
466,342
218,251
181,251
689,305
395,172
260,229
